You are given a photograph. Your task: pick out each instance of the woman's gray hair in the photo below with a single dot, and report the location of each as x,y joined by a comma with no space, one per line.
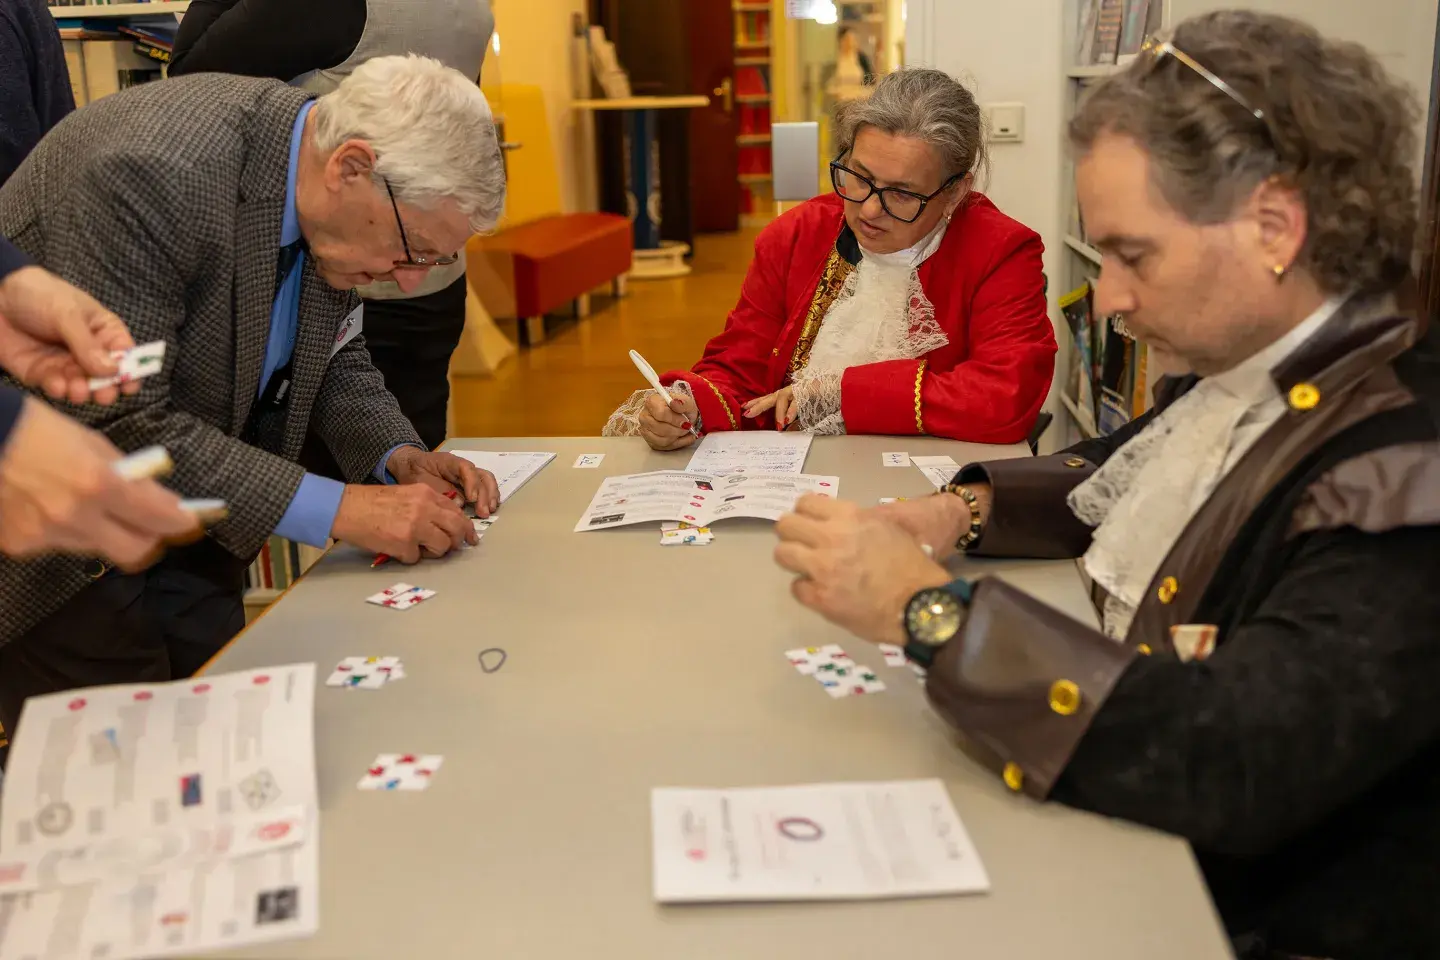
926,104
430,128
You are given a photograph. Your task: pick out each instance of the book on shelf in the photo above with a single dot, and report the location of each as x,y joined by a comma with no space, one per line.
279,564
751,81
1132,34
1085,46
1075,308
102,62
1108,375
1108,29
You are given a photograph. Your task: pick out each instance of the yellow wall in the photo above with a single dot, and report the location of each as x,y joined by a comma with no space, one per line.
537,49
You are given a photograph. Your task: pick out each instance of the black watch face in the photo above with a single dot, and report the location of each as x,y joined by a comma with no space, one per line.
933,617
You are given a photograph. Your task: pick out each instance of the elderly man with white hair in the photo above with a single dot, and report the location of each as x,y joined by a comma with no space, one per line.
232,218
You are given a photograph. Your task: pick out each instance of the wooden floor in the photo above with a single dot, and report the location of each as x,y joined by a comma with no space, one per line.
568,385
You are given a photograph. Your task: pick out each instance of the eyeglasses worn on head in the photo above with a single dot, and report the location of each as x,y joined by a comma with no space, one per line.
410,260
904,205
1156,50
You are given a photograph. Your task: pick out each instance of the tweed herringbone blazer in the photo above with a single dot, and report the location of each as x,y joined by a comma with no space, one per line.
165,202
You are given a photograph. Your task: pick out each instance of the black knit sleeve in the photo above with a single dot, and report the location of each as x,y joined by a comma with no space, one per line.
1325,690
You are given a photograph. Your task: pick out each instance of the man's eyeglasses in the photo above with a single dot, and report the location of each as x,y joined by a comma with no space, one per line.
413,261
1157,50
904,205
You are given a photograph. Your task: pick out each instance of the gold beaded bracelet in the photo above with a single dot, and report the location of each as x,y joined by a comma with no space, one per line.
968,495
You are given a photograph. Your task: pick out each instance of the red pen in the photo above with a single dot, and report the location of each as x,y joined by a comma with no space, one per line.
383,558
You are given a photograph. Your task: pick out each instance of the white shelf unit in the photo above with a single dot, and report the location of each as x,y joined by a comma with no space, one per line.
159,8
1084,249
1082,261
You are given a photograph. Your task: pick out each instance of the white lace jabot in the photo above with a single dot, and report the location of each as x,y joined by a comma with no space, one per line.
881,313
1144,495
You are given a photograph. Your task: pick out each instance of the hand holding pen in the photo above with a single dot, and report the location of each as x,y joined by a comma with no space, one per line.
383,558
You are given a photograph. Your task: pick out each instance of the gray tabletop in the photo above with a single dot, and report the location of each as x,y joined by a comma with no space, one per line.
633,666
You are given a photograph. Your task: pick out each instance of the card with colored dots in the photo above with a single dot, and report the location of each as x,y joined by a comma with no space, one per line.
401,771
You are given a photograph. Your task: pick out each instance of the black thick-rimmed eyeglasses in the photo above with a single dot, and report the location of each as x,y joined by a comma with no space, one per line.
904,205
1155,50
413,261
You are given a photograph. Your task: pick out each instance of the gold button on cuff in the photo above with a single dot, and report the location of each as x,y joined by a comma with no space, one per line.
1143,649
775,352
1014,776
1304,396
1074,463
1064,697
1169,587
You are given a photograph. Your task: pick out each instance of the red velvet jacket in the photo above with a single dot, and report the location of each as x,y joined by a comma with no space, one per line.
986,284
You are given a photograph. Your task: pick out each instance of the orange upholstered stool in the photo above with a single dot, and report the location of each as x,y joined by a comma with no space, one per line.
536,267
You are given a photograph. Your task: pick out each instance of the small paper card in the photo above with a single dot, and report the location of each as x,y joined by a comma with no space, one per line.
938,470
588,461
365,673
401,771
809,660
684,534
402,596
135,364
850,681
894,656
895,459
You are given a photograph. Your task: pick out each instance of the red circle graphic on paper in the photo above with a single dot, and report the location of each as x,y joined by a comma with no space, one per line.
273,831
143,695
78,703
201,688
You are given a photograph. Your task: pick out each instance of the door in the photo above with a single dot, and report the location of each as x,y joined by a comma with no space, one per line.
714,152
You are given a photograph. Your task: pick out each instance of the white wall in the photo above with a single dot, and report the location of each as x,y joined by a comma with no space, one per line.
1006,52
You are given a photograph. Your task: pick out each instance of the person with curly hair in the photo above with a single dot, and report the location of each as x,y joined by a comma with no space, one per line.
1263,543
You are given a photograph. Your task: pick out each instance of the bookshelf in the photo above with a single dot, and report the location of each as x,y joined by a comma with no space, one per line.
281,562
92,10
1105,377
754,104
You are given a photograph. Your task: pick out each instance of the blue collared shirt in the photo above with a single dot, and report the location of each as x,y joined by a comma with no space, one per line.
312,510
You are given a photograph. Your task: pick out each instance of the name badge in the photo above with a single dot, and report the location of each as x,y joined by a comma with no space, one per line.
1194,641
349,329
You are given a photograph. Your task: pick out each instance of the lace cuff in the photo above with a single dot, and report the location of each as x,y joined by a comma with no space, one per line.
817,405
625,421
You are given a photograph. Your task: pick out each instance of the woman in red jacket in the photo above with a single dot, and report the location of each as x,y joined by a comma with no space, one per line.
903,303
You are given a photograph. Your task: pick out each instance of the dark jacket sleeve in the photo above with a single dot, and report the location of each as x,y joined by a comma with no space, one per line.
1318,696
1028,513
11,259
280,39
10,403
20,126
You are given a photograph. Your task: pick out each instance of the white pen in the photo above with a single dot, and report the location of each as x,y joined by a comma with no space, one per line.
648,372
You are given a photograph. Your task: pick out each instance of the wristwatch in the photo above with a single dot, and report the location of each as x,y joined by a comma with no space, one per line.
933,618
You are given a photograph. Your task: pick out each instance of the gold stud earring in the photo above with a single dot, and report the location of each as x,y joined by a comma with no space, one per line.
1279,270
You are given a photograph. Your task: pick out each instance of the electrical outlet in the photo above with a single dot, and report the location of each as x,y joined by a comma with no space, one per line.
1006,122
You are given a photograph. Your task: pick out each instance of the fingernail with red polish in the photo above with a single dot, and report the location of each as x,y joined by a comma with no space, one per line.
686,425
